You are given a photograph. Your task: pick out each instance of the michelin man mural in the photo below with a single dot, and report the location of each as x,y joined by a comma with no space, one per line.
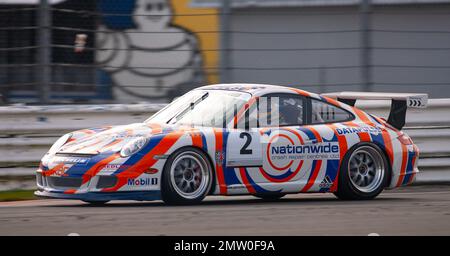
145,54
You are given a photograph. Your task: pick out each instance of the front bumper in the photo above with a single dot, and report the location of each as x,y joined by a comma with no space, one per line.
102,196
83,182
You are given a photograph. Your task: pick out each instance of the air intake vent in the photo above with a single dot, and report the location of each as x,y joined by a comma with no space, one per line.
106,181
64,182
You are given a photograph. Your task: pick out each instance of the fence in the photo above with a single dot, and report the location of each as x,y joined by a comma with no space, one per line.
28,133
113,50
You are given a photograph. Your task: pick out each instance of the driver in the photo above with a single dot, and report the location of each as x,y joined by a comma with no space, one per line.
290,112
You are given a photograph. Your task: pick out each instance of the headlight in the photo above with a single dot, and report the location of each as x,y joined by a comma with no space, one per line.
133,146
59,143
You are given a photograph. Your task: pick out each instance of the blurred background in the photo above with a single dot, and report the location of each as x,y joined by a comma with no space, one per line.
124,51
71,64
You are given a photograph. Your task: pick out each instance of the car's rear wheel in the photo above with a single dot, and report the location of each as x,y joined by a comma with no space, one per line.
364,173
187,177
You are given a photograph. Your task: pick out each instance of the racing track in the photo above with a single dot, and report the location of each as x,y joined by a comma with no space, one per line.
423,210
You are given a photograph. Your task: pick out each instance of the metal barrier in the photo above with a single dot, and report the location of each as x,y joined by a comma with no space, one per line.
27,132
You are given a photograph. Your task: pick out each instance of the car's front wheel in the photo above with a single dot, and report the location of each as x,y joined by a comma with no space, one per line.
364,173
187,177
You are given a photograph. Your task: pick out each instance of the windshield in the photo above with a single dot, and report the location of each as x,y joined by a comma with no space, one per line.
211,108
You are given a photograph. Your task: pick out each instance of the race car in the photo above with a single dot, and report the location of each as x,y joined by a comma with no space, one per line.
239,139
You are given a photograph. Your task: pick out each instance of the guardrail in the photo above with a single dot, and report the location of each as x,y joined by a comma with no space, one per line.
27,132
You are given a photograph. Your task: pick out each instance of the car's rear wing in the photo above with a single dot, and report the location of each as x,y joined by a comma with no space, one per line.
399,102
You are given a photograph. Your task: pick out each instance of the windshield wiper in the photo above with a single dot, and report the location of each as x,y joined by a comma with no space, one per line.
188,109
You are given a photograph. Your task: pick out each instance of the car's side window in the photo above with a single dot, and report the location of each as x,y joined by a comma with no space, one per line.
326,113
281,110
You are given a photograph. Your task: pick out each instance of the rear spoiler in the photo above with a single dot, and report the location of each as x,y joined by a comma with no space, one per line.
399,102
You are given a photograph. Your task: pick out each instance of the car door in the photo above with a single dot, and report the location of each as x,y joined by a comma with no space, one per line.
281,137
270,140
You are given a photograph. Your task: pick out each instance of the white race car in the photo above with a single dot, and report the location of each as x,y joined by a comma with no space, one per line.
233,139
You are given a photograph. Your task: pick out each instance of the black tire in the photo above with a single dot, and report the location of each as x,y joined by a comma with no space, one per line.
172,186
96,203
348,189
270,197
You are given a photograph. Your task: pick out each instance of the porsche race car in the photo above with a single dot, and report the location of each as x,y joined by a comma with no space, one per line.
235,139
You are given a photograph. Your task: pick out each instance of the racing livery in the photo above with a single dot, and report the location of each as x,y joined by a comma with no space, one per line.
233,139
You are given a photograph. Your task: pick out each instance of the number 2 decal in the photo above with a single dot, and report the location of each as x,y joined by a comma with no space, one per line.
244,149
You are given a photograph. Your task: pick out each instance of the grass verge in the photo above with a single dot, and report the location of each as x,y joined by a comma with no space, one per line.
16,195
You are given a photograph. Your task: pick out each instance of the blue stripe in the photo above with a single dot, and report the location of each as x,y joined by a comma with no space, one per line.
228,172
308,133
281,176
154,141
314,163
102,196
409,168
81,169
257,188
332,165
331,171
373,117
166,130
204,143
379,140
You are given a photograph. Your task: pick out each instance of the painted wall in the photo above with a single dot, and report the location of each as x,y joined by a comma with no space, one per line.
154,53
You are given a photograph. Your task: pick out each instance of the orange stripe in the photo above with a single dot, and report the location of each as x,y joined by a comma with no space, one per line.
295,132
263,130
197,139
97,167
70,191
98,141
343,147
387,141
147,161
388,145
341,140
156,128
332,101
403,168
301,92
363,116
53,170
246,182
241,112
316,134
363,136
313,177
264,173
111,144
219,167
87,131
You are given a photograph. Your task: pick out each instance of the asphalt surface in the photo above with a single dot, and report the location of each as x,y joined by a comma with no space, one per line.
423,210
